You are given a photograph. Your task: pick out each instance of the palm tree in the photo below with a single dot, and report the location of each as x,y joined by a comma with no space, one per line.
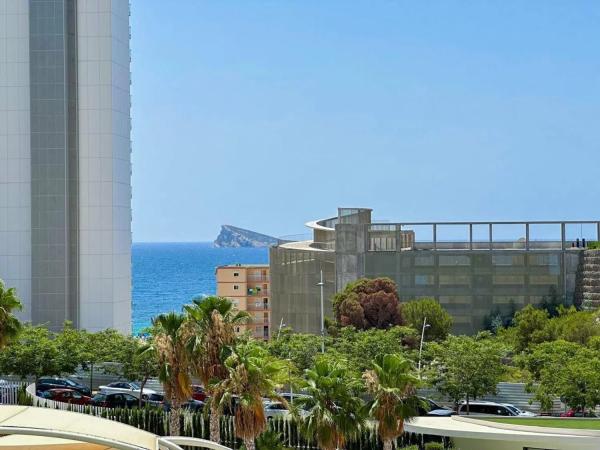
393,388
170,339
213,322
332,412
9,324
252,374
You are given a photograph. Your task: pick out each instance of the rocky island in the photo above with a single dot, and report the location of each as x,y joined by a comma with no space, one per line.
231,236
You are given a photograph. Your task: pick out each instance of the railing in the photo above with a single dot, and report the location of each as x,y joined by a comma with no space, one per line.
254,278
261,293
323,245
534,235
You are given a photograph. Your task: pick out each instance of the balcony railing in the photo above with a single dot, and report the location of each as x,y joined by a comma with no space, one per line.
256,293
258,278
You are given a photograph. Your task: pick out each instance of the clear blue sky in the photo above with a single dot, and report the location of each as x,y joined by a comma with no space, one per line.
265,114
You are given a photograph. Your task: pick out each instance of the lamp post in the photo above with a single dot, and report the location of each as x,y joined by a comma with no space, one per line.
321,284
425,326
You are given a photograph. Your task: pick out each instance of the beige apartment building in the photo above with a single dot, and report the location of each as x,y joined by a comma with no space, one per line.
248,287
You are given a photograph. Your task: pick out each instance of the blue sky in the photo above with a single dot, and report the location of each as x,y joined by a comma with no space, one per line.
265,114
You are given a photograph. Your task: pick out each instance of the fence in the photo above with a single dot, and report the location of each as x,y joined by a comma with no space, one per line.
196,424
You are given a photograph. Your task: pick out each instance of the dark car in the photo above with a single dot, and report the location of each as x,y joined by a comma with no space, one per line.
432,409
44,384
158,400
66,396
116,401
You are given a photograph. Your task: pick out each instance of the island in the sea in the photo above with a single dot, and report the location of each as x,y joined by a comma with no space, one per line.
231,236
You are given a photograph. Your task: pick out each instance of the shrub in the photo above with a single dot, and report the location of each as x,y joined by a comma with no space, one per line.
434,446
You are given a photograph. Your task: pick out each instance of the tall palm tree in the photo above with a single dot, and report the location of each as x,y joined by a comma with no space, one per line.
170,339
9,324
332,411
213,321
392,385
252,374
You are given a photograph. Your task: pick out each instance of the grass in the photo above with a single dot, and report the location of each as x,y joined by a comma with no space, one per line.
574,424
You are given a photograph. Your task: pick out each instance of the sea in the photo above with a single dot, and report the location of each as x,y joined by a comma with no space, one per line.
166,276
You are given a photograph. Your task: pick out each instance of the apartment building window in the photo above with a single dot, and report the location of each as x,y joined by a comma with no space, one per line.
236,274
455,280
454,260
509,279
424,280
235,287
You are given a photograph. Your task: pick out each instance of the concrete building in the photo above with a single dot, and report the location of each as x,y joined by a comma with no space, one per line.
65,160
248,287
473,269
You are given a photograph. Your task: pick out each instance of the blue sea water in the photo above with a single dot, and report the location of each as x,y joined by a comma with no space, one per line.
169,275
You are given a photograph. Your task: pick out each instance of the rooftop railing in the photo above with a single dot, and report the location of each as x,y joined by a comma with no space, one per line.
534,235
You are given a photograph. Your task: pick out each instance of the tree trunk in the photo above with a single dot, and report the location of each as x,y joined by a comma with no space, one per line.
249,444
144,381
174,425
215,423
468,405
388,444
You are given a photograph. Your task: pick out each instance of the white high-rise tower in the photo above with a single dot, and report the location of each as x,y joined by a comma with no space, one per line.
65,160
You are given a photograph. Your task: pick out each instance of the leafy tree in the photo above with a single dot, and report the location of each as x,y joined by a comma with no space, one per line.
106,346
333,410
440,322
33,353
574,326
9,324
368,303
212,323
531,324
301,349
169,345
70,344
464,367
252,374
360,348
569,371
547,354
392,385
553,302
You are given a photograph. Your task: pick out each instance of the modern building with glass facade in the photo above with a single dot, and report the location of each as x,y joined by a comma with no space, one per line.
473,269
65,160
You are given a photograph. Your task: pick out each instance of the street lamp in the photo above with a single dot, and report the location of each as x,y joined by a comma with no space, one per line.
425,326
321,284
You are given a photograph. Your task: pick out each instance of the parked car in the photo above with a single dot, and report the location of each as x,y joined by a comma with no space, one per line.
118,400
578,413
432,409
275,409
158,400
67,396
128,387
519,412
46,383
198,392
480,408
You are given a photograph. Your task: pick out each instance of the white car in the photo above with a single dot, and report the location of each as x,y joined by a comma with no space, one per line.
519,412
275,409
128,387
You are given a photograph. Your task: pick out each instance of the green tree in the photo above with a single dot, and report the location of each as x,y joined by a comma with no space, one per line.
170,346
9,324
105,348
360,348
252,374
392,386
70,344
464,367
33,353
333,410
532,327
440,322
301,349
212,329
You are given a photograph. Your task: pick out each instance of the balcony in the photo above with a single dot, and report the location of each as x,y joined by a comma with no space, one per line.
257,293
257,306
258,278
